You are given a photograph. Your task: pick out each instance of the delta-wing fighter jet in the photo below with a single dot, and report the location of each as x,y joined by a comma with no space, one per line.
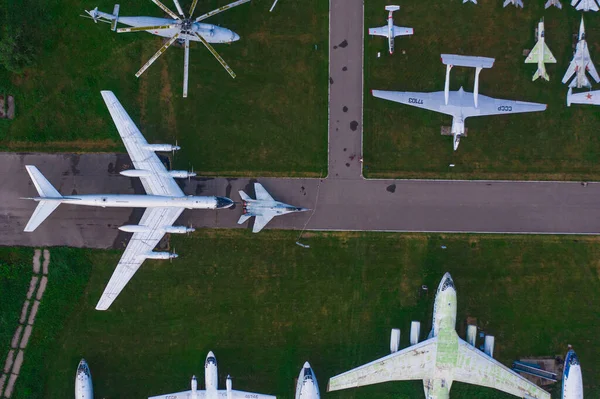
540,54
581,63
164,201
390,30
307,387
586,97
178,27
440,360
212,391
516,3
263,208
83,382
585,5
460,104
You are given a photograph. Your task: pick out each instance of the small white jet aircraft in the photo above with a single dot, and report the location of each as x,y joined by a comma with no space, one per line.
581,63
585,5
516,3
390,30
540,54
440,360
178,27
164,201
307,387
587,97
263,208
572,386
83,382
459,104
555,3
212,391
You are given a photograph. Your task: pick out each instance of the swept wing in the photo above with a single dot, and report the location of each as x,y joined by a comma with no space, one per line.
475,367
412,363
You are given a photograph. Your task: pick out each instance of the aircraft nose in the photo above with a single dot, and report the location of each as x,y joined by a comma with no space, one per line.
234,37
306,365
224,202
447,281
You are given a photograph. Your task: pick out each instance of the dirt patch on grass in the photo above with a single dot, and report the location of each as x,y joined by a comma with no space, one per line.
166,96
268,37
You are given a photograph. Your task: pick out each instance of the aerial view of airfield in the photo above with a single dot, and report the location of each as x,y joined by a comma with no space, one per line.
334,198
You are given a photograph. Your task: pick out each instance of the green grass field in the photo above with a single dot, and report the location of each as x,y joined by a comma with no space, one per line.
402,141
271,119
265,305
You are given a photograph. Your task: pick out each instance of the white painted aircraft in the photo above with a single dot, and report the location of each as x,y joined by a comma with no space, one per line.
307,386
440,360
390,30
459,104
587,97
581,63
164,201
555,3
263,208
472,1
83,382
572,385
516,3
178,27
585,5
540,54
212,391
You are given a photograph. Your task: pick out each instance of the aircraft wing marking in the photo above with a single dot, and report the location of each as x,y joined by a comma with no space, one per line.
496,106
158,182
475,367
413,363
139,244
182,395
244,395
431,101
381,31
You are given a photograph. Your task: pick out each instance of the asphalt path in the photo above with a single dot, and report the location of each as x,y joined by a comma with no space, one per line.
341,201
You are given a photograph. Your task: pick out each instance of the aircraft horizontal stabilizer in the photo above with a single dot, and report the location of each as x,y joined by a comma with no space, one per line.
42,211
243,218
467,61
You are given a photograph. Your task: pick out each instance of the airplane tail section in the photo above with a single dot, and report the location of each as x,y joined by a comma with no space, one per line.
392,8
541,72
49,198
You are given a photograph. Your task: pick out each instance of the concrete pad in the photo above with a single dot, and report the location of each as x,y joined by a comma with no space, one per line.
36,260
42,288
26,335
24,312
33,313
9,361
14,343
11,384
10,109
32,285
3,379
46,260
18,363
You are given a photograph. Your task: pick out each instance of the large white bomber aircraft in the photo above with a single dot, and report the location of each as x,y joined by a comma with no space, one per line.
540,54
440,360
587,97
459,104
585,5
212,391
164,201
83,382
263,208
572,385
390,30
581,63
307,387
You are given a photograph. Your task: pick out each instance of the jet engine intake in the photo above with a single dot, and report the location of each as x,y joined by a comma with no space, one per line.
395,340
134,228
228,385
161,255
135,173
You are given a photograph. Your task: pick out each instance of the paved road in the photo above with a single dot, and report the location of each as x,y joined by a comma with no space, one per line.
341,204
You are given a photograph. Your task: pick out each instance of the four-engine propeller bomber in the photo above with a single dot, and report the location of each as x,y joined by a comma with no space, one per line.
212,391
178,27
440,360
164,201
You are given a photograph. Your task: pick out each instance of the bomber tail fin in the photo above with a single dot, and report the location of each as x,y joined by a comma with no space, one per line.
49,198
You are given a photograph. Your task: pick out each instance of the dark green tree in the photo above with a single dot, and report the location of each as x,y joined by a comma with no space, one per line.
15,52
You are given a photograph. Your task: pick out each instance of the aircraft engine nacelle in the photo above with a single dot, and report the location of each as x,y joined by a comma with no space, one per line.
134,228
162,147
415,332
161,255
181,174
135,173
228,385
395,340
488,345
471,334
179,230
194,384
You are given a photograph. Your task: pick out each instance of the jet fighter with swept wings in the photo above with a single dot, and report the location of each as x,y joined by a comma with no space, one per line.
440,360
164,201
540,54
586,97
459,104
581,63
263,208
390,30
212,391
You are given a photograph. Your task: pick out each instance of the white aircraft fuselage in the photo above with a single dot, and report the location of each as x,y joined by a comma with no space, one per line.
83,382
142,201
572,387
307,387
391,34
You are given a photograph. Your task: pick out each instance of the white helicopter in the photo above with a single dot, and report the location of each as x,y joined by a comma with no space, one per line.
178,27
